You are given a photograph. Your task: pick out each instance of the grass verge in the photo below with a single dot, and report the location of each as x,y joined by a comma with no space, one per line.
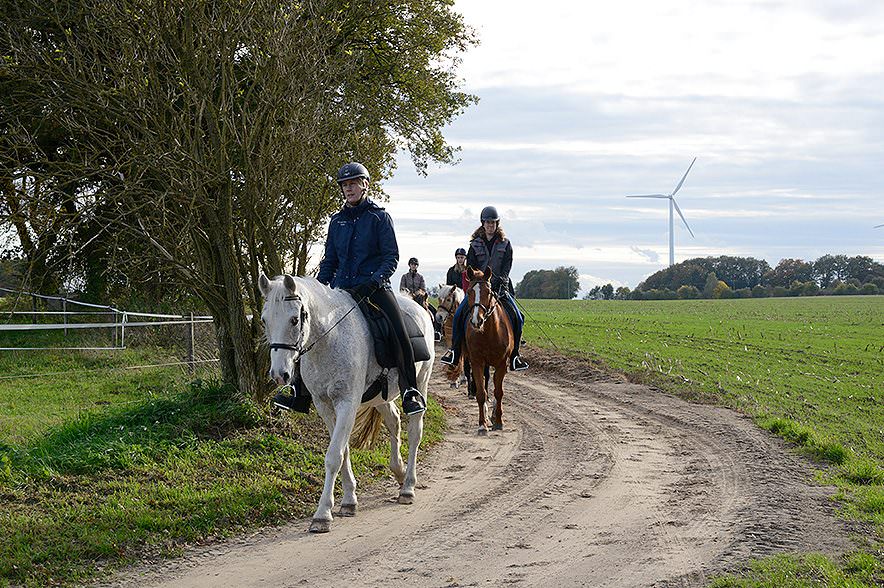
145,478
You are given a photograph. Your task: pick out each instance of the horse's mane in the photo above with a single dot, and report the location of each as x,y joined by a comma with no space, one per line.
316,292
481,232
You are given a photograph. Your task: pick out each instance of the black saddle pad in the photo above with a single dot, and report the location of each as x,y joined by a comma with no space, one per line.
385,342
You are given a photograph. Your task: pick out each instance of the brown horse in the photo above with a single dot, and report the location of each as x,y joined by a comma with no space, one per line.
420,296
488,342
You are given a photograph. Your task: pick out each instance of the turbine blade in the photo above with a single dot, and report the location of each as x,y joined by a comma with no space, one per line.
678,210
648,196
678,187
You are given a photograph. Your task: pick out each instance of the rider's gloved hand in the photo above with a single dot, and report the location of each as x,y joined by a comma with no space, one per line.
365,290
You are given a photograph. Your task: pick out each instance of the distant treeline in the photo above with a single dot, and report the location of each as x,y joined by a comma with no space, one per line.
747,277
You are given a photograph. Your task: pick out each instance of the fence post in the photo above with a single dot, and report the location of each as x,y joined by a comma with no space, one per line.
64,313
114,313
34,308
190,346
123,331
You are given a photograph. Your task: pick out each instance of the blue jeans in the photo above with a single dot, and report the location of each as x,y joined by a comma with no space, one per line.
458,324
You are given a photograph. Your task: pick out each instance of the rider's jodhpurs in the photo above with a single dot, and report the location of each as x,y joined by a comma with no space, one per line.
386,300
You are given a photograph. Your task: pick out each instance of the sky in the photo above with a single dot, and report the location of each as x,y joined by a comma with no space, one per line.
583,103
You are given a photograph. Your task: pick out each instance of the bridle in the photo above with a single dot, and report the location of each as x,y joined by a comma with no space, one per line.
489,310
298,347
449,298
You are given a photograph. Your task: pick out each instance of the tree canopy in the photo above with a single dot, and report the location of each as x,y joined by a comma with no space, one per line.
194,143
562,282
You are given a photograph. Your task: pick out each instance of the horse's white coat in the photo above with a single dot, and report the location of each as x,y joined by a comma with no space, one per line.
444,291
337,370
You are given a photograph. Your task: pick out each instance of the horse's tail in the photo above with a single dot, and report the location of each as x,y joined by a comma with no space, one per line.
367,428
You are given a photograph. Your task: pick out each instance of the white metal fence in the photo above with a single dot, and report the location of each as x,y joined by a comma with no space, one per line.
109,318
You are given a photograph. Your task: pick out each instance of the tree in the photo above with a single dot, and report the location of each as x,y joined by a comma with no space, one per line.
687,292
607,291
202,135
710,285
622,293
562,282
788,271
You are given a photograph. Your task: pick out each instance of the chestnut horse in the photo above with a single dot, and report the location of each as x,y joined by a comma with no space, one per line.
489,342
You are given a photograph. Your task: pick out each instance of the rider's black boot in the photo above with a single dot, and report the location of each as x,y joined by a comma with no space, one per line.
517,364
413,402
449,357
292,402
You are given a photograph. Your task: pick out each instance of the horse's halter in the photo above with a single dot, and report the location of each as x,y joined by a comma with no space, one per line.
298,347
489,310
450,298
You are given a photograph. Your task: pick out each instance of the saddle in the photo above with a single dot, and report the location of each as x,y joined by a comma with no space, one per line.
385,350
385,341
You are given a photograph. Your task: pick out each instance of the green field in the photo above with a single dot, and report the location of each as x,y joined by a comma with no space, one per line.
810,369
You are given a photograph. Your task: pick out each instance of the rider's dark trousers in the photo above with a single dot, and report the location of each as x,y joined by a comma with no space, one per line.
386,300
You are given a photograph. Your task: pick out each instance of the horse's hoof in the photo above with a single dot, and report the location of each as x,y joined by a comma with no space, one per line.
348,510
471,395
405,499
482,431
320,526
496,427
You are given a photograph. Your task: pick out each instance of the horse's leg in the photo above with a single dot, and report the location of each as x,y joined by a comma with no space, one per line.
415,434
344,416
348,485
391,420
499,375
478,372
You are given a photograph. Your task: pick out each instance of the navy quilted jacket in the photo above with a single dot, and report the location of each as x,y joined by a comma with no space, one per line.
360,247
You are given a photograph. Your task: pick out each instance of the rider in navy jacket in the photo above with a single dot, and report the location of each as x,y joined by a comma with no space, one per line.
361,254
361,247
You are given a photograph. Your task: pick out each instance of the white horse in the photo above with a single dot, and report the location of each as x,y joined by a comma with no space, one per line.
450,298
306,320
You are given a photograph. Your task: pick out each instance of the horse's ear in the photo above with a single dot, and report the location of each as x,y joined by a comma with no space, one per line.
470,273
488,273
289,283
264,285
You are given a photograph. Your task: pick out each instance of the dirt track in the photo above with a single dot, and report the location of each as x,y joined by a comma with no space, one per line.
593,482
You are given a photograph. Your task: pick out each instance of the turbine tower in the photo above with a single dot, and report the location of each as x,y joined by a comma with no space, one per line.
672,204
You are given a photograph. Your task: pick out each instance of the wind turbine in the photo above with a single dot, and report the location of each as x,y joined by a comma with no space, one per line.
672,204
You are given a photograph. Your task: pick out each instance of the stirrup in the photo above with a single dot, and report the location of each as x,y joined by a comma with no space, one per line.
292,402
437,336
518,364
413,402
448,357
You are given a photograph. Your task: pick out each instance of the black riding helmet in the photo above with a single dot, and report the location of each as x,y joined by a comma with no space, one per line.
489,213
413,260
352,170
460,251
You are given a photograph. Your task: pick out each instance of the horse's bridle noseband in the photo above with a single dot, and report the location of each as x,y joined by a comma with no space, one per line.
298,347
450,297
488,310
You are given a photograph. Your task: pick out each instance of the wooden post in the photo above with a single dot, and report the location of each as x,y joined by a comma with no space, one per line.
34,308
64,314
123,331
115,328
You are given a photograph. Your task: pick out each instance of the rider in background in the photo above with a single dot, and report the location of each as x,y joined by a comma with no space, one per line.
490,248
411,280
361,254
457,273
